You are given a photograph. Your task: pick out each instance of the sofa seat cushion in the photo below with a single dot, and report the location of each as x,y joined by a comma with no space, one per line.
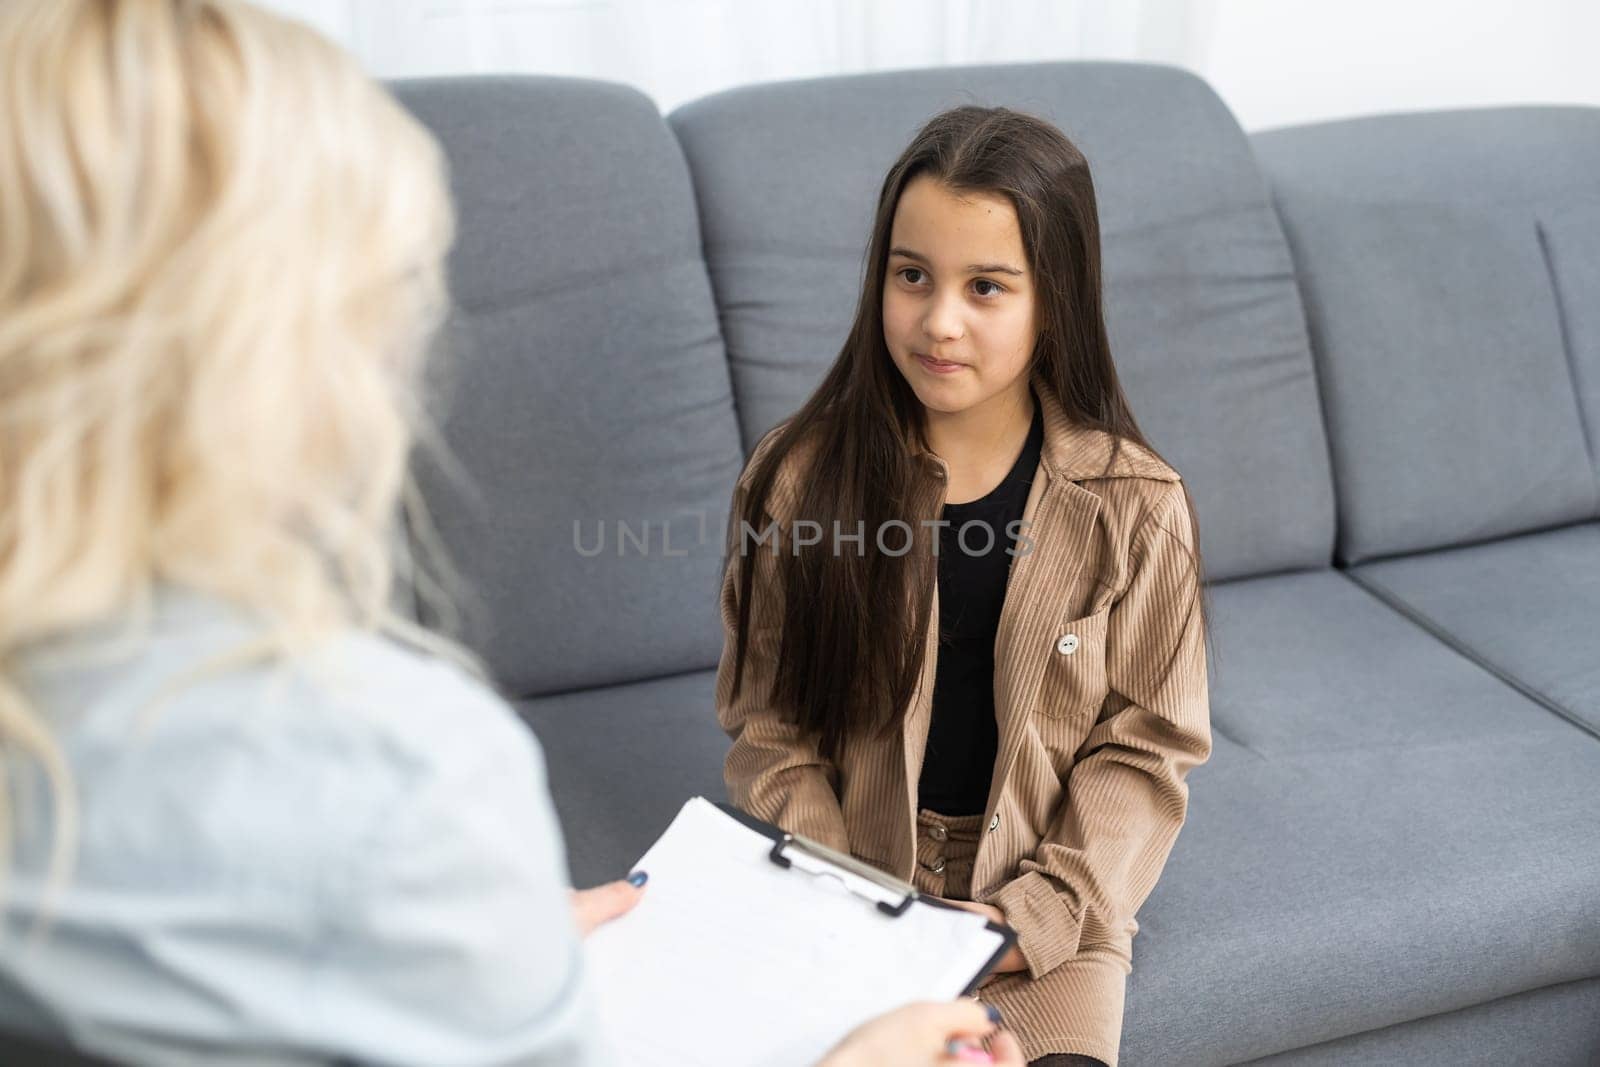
1526,608
1384,832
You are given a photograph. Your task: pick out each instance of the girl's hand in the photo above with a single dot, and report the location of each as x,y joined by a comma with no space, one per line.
1012,960
919,1035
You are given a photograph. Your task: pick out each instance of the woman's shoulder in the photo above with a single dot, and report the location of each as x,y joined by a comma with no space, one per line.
398,689
262,773
184,677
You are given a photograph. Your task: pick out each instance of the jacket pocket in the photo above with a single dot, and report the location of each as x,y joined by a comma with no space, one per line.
1074,682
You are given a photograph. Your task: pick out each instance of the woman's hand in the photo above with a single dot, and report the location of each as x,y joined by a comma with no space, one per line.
1012,960
919,1035
597,906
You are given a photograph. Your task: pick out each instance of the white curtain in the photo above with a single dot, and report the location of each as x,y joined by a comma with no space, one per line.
676,50
1275,62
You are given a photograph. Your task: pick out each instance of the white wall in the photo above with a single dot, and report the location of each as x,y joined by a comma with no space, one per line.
1280,63
1276,62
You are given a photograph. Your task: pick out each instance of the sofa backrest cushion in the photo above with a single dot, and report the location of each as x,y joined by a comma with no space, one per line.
1450,263
584,387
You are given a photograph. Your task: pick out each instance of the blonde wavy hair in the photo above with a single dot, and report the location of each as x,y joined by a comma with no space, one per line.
221,261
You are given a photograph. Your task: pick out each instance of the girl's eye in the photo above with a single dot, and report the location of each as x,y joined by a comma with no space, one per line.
913,276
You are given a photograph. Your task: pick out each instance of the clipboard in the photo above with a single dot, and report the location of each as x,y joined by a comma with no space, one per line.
786,843
786,943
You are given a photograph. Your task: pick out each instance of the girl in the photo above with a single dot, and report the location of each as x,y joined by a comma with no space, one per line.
304,830
963,598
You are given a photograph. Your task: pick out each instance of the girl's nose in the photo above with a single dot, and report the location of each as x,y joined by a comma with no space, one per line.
943,321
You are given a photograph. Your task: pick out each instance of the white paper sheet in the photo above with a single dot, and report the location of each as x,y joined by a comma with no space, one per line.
730,959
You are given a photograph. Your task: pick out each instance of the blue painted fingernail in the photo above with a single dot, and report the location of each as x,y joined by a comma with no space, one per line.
637,879
994,1013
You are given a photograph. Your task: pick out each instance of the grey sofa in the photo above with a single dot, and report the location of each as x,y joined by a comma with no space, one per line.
1372,347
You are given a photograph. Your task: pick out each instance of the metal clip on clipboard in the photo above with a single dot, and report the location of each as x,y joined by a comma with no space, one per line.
891,895
796,851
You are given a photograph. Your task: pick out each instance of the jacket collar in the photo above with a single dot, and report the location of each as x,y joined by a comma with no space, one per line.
1075,452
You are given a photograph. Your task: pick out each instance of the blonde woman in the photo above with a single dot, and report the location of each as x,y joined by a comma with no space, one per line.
247,813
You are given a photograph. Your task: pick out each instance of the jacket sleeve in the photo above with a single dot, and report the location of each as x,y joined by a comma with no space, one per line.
771,771
1126,796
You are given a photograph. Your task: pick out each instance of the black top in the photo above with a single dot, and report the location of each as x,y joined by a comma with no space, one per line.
974,567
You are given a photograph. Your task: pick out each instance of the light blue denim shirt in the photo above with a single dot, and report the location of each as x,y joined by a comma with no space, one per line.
354,856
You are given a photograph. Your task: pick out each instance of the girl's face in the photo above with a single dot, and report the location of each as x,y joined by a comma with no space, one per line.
958,302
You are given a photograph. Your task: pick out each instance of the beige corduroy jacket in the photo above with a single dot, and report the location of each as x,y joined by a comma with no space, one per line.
1088,791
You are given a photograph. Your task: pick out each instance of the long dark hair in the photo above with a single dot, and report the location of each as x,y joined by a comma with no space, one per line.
854,623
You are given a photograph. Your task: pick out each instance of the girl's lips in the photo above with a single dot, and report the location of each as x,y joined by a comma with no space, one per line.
936,366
